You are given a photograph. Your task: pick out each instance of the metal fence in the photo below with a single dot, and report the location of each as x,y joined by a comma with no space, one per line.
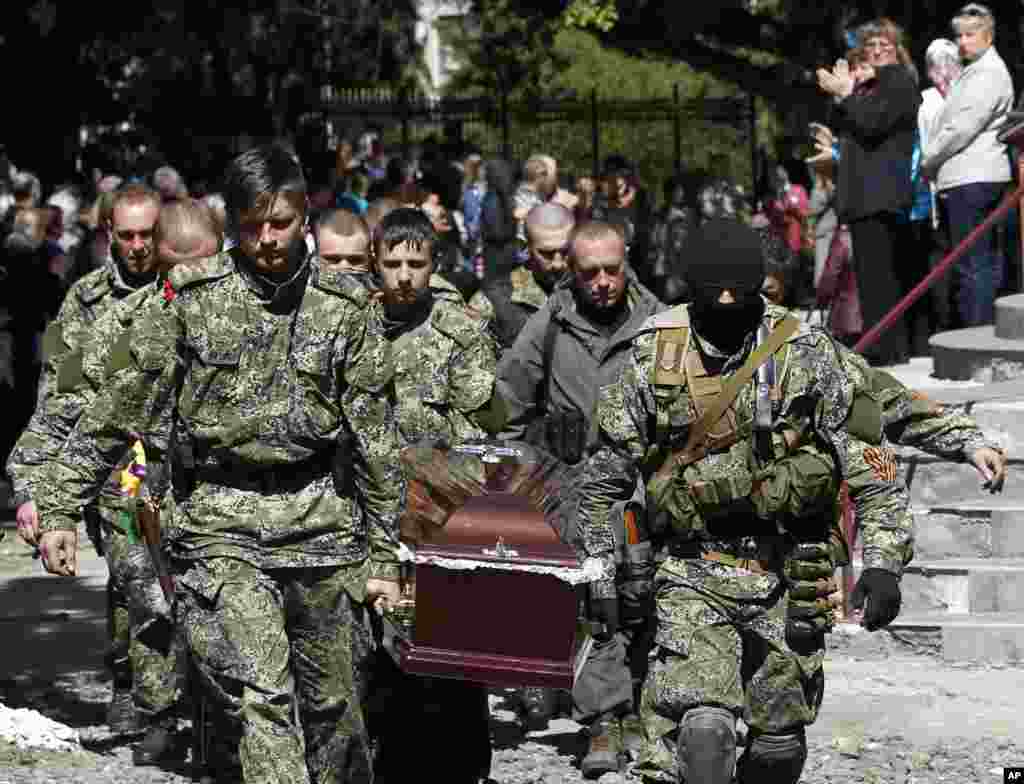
659,135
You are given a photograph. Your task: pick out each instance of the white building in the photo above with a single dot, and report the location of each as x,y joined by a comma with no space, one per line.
438,21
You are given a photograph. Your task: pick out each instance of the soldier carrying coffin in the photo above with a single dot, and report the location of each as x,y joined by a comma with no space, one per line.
734,415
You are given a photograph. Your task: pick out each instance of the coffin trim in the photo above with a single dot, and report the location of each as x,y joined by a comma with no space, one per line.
487,668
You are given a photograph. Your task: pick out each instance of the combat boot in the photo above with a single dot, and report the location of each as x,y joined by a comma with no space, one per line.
121,716
604,754
160,744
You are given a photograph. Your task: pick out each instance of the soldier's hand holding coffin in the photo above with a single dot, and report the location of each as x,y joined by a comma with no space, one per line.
382,595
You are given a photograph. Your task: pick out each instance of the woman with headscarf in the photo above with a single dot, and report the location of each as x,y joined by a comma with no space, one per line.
497,219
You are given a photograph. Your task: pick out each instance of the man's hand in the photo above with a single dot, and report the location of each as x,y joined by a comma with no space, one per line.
28,523
838,82
878,592
822,137
382,595
991,464
60,552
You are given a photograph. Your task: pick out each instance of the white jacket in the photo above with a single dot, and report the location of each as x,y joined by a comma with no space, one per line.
962,147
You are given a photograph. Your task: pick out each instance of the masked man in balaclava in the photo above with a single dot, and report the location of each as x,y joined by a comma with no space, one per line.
733,415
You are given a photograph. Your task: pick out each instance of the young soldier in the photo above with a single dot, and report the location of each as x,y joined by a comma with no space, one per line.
185,233
509,300
743,478
130,224
285,445
343,241
444,378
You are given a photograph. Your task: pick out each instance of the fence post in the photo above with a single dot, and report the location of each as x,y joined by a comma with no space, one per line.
753,146
403,99
677,128
506,143
595,133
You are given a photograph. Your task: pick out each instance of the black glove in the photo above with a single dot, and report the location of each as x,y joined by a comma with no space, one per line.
878,591
605,611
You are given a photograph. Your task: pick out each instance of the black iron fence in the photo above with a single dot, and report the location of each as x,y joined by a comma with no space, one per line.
658,135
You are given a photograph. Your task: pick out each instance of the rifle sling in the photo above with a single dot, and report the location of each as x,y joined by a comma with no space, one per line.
694,448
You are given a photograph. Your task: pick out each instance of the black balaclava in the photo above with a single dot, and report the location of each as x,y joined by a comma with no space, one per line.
725,254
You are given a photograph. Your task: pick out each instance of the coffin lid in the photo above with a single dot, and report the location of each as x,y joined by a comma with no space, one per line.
487,501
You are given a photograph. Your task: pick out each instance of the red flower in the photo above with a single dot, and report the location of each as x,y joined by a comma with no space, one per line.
169,292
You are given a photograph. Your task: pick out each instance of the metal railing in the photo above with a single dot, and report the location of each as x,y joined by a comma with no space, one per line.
1010,201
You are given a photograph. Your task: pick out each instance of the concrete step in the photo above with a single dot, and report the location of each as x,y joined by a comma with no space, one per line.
1010,317
996,532
964,585
935,483
993,638
976,353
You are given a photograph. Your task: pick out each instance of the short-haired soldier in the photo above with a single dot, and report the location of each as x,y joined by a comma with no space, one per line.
287,482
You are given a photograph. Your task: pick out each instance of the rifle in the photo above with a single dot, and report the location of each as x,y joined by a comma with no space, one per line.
148,516
149,526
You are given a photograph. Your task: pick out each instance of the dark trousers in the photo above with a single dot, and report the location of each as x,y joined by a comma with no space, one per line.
980,271
913,266
878,242
427,729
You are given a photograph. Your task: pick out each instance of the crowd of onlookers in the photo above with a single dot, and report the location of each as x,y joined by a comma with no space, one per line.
899,176
903,175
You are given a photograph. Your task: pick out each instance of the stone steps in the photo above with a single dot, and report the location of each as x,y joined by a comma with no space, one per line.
964,585
993,638
992,352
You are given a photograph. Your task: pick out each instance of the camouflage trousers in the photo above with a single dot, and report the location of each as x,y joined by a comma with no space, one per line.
264,640
722,641
145,648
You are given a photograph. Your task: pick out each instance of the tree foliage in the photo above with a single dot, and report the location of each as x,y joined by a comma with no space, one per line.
194,74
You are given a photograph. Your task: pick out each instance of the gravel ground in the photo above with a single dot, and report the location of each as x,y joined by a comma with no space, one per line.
894,712
843,748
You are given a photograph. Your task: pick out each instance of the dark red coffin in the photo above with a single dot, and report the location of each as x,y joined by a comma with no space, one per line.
496,595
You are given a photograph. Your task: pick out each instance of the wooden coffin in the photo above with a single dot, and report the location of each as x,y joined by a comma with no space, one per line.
496,596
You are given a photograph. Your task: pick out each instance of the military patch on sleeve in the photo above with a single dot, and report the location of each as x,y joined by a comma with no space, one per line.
882,462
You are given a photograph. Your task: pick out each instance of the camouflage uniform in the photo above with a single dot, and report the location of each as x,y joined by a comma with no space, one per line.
721,635
508,301
911,418
288,500
53,420
444,377
155,652
443,288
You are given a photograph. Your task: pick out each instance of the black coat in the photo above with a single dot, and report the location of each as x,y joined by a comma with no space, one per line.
878,130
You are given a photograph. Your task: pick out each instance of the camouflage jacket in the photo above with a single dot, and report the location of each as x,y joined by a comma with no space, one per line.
911,418
444,374
443,288
57,410
727,501
508,301
284,427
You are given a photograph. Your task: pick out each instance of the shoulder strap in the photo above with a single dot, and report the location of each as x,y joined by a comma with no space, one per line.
694,448
547,355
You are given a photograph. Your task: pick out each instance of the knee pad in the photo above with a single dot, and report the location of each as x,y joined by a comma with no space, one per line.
773,757
707,745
